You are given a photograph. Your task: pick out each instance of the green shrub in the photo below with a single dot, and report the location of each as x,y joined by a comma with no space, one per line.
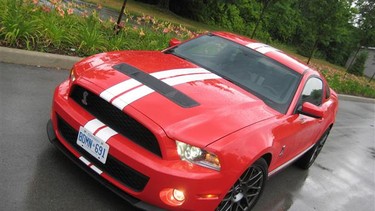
24,24
358,66
349,86
19,27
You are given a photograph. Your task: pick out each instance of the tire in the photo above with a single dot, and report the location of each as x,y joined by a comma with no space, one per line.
246,191
309,157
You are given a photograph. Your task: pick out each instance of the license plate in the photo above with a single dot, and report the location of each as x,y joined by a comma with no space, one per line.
92,144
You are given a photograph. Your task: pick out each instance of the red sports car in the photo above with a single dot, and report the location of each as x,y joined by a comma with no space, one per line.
198,126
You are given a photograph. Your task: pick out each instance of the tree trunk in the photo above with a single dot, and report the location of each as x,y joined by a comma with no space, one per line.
260,18
164,4
117,28
313,50
354,57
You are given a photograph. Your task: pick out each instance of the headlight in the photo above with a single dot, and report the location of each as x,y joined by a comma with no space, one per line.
72,75
197,156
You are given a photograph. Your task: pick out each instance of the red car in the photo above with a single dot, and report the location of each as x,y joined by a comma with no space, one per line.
198,126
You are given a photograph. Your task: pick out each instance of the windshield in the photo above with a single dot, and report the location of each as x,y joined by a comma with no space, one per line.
264,77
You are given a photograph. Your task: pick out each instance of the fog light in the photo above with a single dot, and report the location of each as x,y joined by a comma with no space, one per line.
178,195
172,197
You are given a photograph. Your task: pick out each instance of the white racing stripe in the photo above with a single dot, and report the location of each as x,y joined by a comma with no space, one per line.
96,169
178,72
84,160
105,133
261,48
255,45
266,49
133,95
119,88
93,125
129,84
129,97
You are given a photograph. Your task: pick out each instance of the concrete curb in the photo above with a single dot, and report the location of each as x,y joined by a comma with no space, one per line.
356,99
33,58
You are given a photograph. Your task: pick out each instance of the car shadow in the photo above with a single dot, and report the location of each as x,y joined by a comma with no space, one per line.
280,189
58,184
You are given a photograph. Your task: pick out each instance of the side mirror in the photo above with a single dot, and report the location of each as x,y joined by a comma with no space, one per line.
174,42
312,110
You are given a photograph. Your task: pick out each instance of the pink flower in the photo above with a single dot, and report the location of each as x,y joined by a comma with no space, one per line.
166,30
46,9
122,24
61,12
70,11
54,2
35,1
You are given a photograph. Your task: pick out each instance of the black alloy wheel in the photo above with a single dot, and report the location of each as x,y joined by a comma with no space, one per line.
244,194
306,161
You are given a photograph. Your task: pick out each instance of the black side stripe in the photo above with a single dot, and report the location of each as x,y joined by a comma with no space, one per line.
159,86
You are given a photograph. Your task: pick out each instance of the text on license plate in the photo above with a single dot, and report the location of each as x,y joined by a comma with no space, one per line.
92,144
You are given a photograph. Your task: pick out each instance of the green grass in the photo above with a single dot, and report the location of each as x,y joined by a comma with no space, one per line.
55,31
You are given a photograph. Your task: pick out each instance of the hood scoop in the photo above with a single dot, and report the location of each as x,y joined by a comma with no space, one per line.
157,85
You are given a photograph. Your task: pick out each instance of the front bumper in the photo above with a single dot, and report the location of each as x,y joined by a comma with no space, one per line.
194,180
130,199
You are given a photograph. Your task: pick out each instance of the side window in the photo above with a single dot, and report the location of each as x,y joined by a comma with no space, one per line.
313,91
328,92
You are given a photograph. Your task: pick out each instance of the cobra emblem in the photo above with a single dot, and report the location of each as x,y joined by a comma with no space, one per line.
84,98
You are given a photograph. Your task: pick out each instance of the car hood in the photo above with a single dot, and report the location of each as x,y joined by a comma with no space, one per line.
221,107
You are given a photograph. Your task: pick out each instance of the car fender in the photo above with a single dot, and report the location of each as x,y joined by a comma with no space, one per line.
246,146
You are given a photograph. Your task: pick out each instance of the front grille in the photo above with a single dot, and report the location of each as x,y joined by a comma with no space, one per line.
115,168
116,119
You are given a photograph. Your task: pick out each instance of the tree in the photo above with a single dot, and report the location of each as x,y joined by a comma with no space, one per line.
266,5
359,65
164,4
283,20
366,22
324,20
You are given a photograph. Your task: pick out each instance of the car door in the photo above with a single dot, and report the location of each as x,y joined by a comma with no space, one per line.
307,128
296,132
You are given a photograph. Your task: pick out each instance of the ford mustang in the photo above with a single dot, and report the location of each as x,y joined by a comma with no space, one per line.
198,126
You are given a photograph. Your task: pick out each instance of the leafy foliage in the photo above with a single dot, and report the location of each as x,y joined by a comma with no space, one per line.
323,28
358,66
57,30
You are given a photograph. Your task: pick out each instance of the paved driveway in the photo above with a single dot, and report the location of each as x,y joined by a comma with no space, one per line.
36,176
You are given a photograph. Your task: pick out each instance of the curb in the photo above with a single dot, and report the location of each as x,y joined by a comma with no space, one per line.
33,58
356,99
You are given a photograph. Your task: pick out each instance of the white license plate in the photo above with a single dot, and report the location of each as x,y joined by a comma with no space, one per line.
92,144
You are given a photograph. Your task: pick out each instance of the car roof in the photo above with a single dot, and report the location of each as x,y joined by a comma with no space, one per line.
267,50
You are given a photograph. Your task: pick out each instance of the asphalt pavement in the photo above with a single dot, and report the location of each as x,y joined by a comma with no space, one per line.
36,176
